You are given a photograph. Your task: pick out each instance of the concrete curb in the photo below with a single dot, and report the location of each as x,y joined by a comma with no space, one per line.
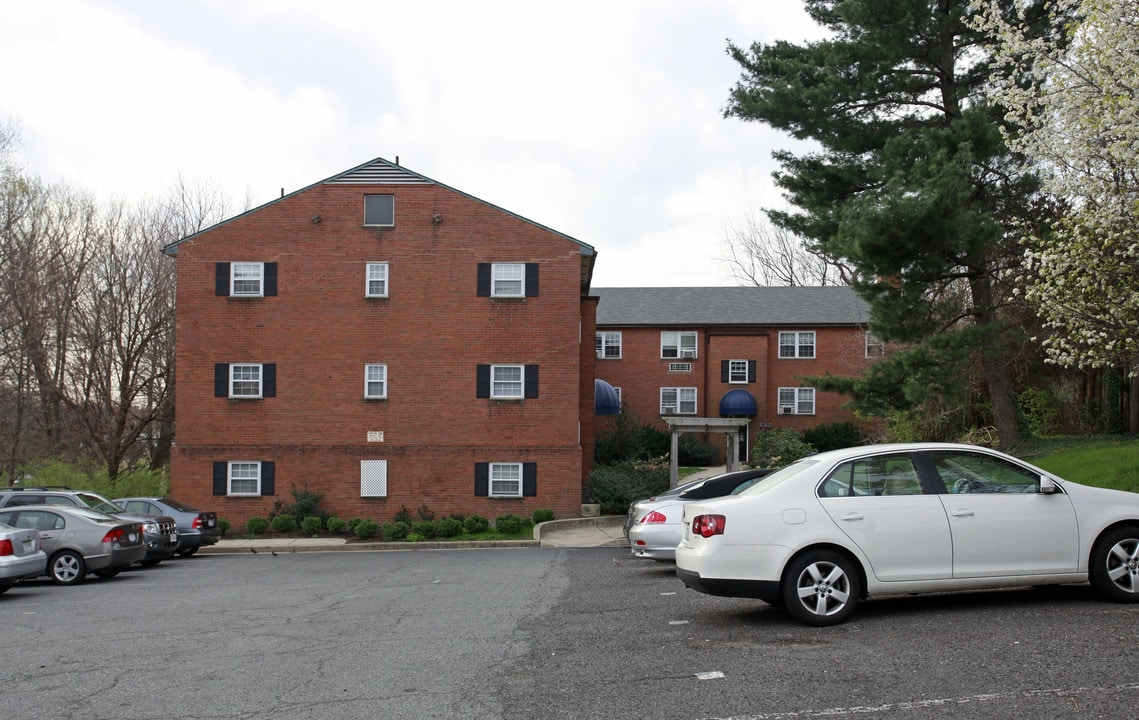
575,532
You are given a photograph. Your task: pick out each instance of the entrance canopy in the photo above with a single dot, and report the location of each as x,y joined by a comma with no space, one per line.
728,426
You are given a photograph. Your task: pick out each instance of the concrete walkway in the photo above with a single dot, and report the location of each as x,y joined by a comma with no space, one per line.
575,532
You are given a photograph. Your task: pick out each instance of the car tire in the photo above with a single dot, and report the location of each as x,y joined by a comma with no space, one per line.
821,587
149,563
1114,565
187,552
67,568
108,573
5,588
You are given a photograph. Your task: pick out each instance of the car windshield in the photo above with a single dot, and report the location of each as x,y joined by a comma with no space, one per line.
177,505
98,502
96,515
766,483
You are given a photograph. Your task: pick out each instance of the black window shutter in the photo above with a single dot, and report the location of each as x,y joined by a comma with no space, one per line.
221,380
221,279
268,478
529,479
484,280
530,378
482,382
724,371
482,479
751,371
221,478
270,279
269,380
531,279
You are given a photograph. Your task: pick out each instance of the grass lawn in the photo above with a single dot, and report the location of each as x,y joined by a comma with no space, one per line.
1109,463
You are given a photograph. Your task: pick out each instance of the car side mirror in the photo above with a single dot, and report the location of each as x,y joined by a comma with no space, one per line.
1047,487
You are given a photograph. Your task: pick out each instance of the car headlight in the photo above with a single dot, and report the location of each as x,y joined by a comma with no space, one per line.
150,527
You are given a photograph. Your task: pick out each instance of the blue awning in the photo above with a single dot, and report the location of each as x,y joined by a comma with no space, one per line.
605,399
738,403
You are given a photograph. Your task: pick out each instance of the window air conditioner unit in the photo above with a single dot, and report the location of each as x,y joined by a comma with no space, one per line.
687,353
786,409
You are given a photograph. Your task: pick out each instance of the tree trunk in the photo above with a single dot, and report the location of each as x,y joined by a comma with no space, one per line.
994,364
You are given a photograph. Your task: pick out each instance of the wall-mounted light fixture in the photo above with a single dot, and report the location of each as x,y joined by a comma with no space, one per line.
438,218
316,218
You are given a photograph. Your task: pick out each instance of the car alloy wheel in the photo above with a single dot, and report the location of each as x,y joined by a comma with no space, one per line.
1115,565
67,568
821,587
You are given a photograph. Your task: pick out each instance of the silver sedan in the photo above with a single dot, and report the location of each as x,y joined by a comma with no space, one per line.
79,539
20,555
654,524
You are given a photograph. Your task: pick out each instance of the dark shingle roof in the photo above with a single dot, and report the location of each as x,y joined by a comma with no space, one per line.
692,306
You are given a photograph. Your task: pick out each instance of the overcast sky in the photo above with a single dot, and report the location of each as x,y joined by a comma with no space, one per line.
600,119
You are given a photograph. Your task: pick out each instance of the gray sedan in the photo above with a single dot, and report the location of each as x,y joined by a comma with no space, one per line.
196,528
78,539
20,555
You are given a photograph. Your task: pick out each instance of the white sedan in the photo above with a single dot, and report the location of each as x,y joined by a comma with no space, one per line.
823,533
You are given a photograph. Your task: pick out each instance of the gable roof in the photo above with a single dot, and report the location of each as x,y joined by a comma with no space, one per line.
383,172
692,306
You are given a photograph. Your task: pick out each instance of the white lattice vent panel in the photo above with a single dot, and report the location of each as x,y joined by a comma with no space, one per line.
373,478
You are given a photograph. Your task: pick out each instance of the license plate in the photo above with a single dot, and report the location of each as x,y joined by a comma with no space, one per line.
133,537
211,523
29,546
173,537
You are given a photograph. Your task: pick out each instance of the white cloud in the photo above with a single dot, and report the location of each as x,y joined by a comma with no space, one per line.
601,120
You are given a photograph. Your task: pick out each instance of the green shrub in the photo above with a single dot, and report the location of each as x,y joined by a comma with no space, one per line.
415,537
541,516
336,525
424,513
476,524
509,524
284,523
311,525
779,447
448,527
833,436
690,452
352,523
306,503
426,528
224,525
403,516
395,531
366,529
257,525
614,487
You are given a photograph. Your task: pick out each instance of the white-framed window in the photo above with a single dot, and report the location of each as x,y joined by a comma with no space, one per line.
376,283
678,344
375,381
678,401
737,371
875,348
246,279
245,381
796,401
244,478
508,280
798,344
609,346
505,480
379,210
373,478
507,381
680,367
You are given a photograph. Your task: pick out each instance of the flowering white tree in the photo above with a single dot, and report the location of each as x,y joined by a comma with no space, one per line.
1073,103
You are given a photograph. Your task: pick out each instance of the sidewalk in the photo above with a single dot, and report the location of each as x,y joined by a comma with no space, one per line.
576,532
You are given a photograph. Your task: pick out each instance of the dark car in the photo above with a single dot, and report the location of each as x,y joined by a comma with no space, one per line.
160,534
196,528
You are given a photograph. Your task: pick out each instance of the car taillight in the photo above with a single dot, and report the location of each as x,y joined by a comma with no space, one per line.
654,517
708,525
114,535
197,523
6,548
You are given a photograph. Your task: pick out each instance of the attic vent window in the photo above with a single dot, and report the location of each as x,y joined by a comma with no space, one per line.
379,210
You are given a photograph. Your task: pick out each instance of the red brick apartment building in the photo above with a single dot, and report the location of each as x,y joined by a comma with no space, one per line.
732,352
388,342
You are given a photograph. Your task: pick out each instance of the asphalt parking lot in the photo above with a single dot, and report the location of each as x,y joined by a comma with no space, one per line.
539,633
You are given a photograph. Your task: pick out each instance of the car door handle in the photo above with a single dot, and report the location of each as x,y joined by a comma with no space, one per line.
962,512
853,516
